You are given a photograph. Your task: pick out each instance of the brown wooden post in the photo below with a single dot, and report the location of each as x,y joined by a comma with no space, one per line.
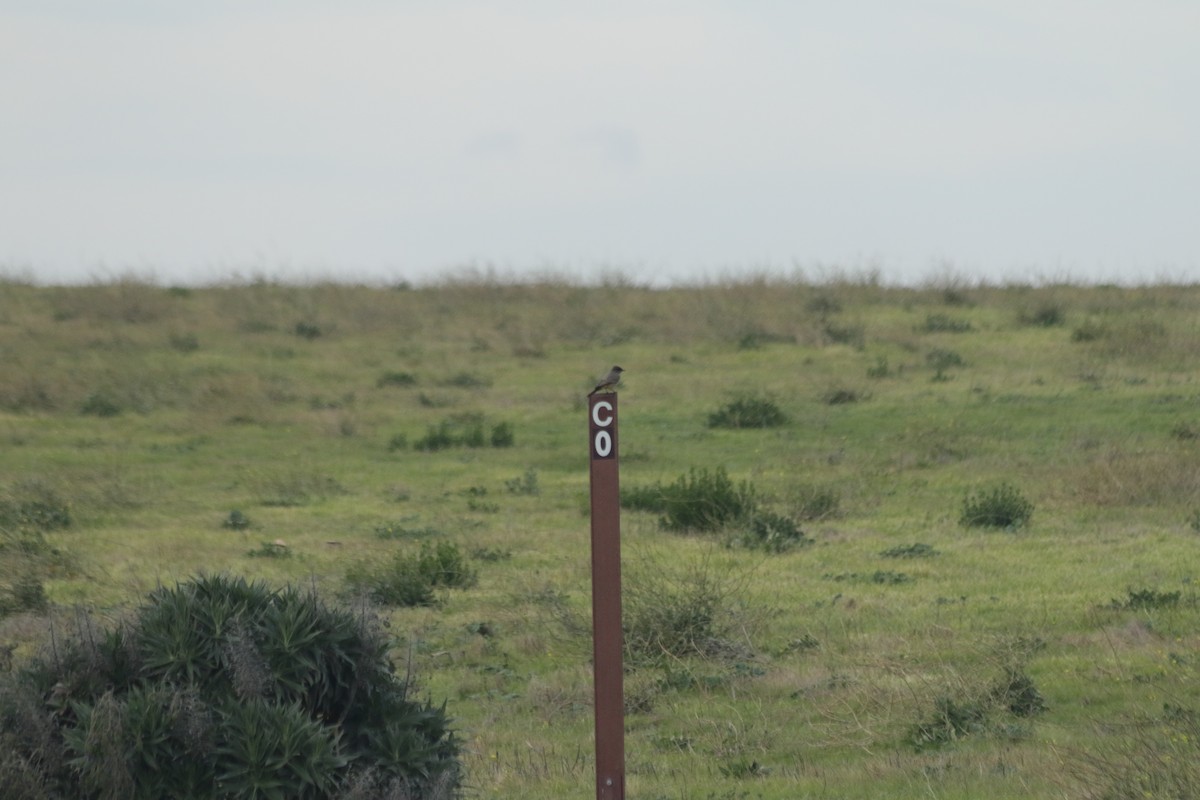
606,598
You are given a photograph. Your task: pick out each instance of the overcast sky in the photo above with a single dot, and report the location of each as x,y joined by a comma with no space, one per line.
372,140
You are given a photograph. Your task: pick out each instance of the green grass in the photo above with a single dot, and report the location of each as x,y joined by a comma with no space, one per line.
213,401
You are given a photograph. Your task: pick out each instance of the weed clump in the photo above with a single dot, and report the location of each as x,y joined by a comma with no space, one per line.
816,502
840,395
701,500
397,379
1001,506
916,550
466,430
748,412
941,360
673,613
944,323
772,532
1047,315
236,521
526,484
1147,599
954,718
98,404
410,579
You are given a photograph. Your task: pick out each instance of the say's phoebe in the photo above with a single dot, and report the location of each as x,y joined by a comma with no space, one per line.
608,382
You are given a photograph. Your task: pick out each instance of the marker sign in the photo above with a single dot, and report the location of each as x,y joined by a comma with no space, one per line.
604,427
606,597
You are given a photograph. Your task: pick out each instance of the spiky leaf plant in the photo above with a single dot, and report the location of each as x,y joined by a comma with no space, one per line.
221,687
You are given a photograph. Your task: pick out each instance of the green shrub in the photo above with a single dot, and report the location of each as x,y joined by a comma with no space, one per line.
236,521
851,335
443,564
942,360
1048,315
410,579
394,530
773,533
402,379
396,583
917,550
679,612
953,718
26,594
879,369
644,498
98,404
755,338
437,437
816,502
467,380
1147,599
502,435
944,323
222,688
471,435
1090,331
464,430
184,342
704,501
271,550
840,395
1002,506
526,484
307,330
748,412
950,720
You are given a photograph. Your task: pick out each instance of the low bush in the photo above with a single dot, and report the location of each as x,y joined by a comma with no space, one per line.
1001,506
307,330
916,550
465,430
840,395
222,688
98,404
411,579
467,380
1047,315
400,379
944,323
942,360
526,484
879,369
675,612
236,521
705,501
646,498
33,507
772,532
25,594
1147,599
748,412
813,503
852,335
502,435
954,718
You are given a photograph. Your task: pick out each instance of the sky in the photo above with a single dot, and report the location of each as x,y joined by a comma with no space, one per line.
666,142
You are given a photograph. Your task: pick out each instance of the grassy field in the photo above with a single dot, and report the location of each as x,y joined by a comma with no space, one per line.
894,652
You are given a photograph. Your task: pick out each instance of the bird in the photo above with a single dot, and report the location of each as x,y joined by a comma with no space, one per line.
608,382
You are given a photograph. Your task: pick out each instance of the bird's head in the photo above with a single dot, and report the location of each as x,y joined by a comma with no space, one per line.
617,370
